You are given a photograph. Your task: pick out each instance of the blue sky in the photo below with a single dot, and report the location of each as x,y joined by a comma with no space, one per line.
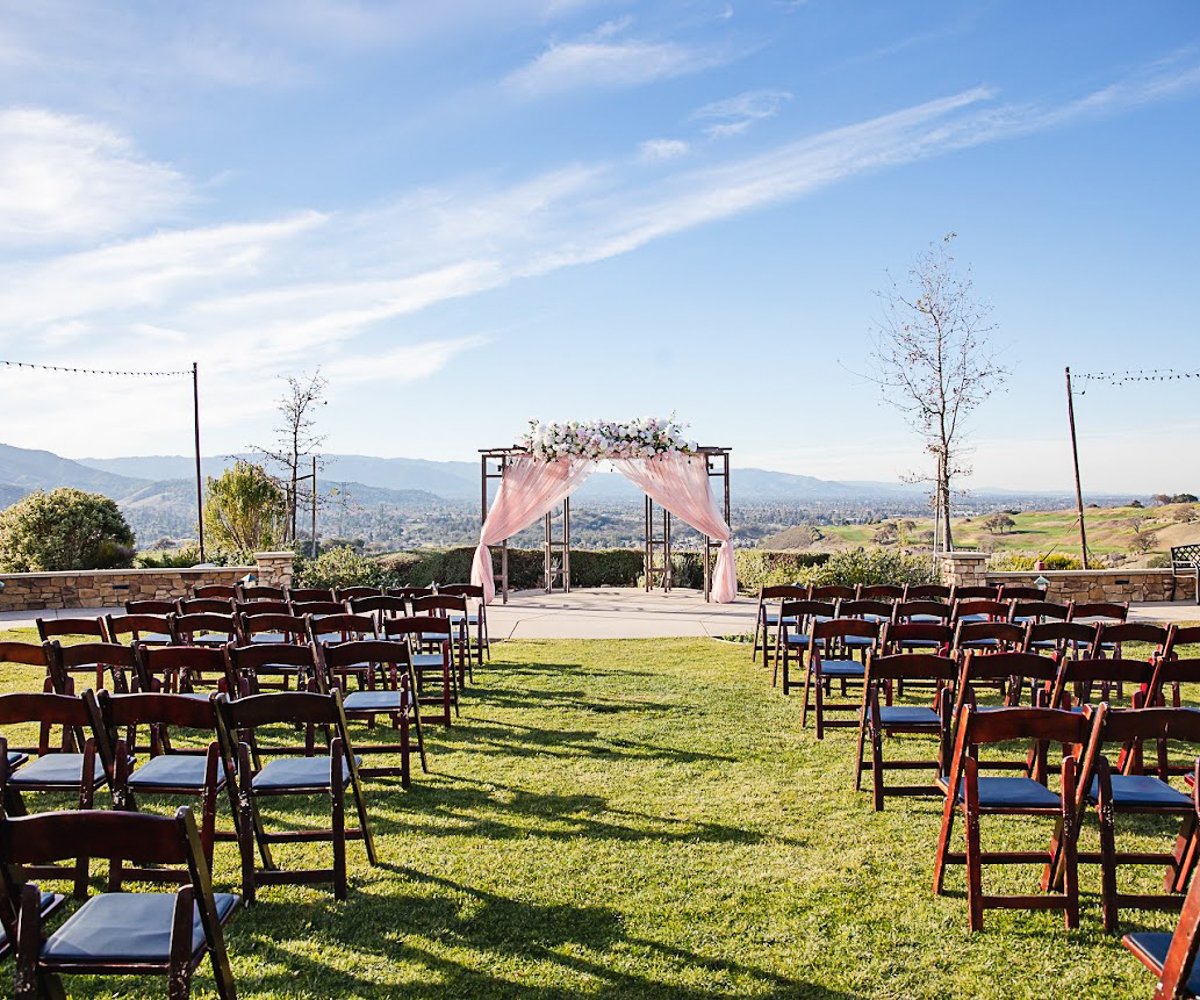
474,213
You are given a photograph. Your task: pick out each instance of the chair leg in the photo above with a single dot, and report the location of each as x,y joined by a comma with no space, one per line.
405,763
1179,871
943,848
819,698
858,757
877,766
1070,838
338,816
974,862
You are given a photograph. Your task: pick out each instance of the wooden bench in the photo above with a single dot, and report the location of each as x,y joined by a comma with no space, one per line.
1185,561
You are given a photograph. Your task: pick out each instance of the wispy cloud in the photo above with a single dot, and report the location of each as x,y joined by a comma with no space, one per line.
605,64
656,150
736,114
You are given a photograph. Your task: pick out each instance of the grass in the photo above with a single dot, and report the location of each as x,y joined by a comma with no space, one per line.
646,818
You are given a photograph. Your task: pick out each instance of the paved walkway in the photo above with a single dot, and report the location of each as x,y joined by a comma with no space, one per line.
615,613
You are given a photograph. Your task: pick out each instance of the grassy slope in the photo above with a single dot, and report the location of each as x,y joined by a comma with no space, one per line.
1035,532
647,819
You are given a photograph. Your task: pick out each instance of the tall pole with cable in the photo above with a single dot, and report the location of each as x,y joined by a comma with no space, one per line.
199,481
1083,550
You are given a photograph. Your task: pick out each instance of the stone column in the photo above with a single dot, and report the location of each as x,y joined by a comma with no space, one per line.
963,569
275,568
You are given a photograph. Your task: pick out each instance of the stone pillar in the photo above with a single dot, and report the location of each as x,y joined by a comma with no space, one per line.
963,569
275,568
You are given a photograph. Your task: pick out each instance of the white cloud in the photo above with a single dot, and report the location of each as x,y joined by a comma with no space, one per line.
66,179
736,114
662,149
569,66
402,364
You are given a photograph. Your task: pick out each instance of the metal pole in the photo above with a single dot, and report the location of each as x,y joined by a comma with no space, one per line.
314,507
1083,550
199,480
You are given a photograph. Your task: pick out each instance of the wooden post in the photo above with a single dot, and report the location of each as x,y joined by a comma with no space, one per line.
199,480
1083,549
314,506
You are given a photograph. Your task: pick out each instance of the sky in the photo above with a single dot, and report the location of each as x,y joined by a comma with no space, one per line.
470,214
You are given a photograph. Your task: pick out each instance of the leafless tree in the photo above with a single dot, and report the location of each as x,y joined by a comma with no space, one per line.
1144,536
296,439
934,362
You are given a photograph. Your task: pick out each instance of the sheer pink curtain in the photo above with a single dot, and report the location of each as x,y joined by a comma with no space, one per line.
528,490
680,484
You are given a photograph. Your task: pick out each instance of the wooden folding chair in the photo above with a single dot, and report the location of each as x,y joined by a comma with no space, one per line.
272,627
437,680
218,591
832,592
204,606
1037,612
1017,592
832,647
927,592
151,607
58,628
390,691
791,636
985,593
454,609
914,637
317,609
172,769
1009,672
986,637
29,654
92,660
476,619
1092,681
766,618
302,595
920,610
180,669
867,608
55,769
205,628
1059,639
116,933
261,607
154,630
877,720
280,661
243,720
978,609
1133,792
973,795
880,592
344,594
260,592
345,627
411,593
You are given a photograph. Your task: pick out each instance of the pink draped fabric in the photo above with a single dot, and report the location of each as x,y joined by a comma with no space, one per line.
680,484
528,490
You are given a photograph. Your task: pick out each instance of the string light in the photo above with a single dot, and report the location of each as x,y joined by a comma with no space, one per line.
95,371
1119,378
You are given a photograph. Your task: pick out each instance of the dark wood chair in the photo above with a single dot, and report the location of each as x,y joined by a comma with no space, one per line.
1038,612
219,591
1091,681
281,662
927,592
328,775
1112,636
973,796
258,592
58,628
172,769
181,669
437,680
410,593
204,606
1058,639
913,637
56,769
272,627
1010,672
1172,673
479,643
791,637
345,594
1100,611
151,607
766,618
317,609
832,648
877,720
867,608
157,630
205,628
29,654
116,933
389,691
303,595
93,660
1180,636
987,636
978,609
987,593
380,605
454,609
263,607
880,592
921,610
832,592
1017,592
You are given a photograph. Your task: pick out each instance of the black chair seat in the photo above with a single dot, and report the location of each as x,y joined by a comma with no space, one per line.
457,619
64,769
980,644
1044,644
298,773
907,715
797,639
127,926
926,620
427,659
275,638
373,701
1015,792
921,644
1154,945
434,637
174,770
1141,790
842,668
857,641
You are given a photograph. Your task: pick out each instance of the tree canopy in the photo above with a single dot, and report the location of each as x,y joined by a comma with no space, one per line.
245,512
64,529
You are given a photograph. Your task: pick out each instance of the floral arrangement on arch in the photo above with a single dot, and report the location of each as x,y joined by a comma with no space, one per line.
646,437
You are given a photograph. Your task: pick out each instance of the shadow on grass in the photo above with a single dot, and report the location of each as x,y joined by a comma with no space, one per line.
586,943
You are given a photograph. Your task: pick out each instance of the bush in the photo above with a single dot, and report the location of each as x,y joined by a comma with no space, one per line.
167,559
766,568
1016,562
871,566
64,529
342,568
608,568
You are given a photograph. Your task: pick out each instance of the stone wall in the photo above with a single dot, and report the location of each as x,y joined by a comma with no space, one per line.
107,588
1133,585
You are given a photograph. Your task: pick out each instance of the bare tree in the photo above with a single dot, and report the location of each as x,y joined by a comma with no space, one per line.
933,361
1144,536
296,439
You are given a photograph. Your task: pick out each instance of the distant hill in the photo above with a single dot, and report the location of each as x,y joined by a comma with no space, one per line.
31,470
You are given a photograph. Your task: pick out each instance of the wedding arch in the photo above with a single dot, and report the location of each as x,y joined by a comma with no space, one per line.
551,461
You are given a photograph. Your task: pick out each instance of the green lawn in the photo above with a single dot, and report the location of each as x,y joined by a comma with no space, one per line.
646,818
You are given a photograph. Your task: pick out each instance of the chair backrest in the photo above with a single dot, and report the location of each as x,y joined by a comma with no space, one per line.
782,592
345,625
304,594
31,654
293,627
206,606
439,604
85,657
896,634
151,607
1004,635
1016,592
221,591
129,628
1120,728
1123,632
831,592
1062,634
977,666
409,593
380,604
115,712
1041,724
975,594
906,610
187,627
865,608
263,593
54,628
1181,635
1100,610
1040,610
912,666
844,628
322,608
357,653
927,592
985,606
257,710
1082,673
418,624
880,592
471,590
263,607
344,594
165,666
249,659
801,611
50,709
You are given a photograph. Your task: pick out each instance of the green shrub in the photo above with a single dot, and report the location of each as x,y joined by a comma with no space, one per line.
607,568
342,568
1016,562
167,559
64,529
870,566
766,568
